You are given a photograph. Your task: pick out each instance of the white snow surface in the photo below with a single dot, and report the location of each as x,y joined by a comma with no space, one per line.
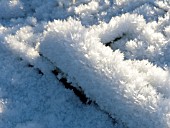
128,80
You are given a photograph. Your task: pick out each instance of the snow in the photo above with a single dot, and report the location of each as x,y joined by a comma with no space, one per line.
108,76
30,100
11,9
116,51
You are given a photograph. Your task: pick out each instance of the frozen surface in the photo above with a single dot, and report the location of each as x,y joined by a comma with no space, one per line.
117,51
31,100
134,86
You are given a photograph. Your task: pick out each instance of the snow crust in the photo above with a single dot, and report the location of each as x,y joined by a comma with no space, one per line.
129,79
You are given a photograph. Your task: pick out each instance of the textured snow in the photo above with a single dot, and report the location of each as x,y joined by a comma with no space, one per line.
105,76
31,100
129,80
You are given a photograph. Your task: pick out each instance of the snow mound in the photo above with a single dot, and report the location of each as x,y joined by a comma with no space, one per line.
116,51
135,91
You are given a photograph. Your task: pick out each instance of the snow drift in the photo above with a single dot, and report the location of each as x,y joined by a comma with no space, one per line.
135,91
120,60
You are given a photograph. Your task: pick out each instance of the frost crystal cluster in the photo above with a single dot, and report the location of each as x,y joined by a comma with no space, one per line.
117,52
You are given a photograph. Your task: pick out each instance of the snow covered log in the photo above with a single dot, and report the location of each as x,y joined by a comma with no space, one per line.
134,91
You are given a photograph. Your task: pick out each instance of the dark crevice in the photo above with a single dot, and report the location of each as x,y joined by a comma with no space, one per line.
68,85
30,65
55,72
78,91
114,120
116,39
39,71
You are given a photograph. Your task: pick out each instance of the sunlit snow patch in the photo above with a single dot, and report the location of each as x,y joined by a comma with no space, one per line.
131,90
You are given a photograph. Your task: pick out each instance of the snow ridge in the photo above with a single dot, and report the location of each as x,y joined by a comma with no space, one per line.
105,76
115,51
